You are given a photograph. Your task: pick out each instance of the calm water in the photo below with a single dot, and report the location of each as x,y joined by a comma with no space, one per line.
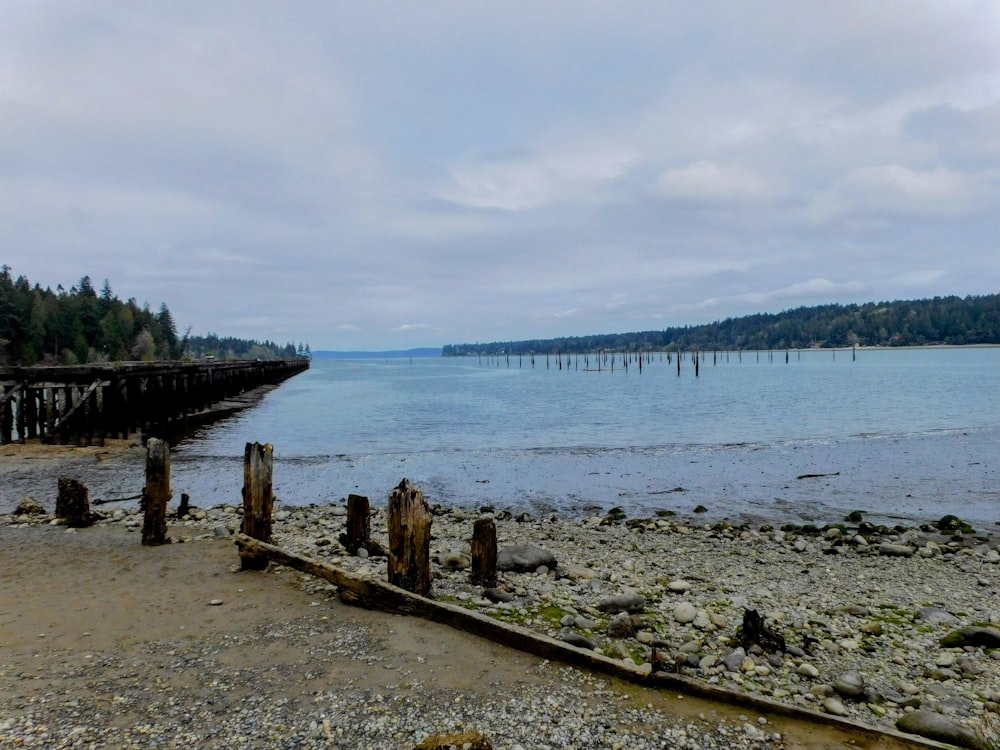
909,434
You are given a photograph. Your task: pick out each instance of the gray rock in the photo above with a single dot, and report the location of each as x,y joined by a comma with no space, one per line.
575,639
623,603
524,558
984,637
934,726
835,706
808,670
936,616
454,561
221,532
734,660
850,684
498,596
29,507
685,612
621,626
895,550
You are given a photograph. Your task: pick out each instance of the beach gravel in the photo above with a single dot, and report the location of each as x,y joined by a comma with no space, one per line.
866,633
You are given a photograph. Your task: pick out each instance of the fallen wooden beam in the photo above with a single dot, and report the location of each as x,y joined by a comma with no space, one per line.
374,593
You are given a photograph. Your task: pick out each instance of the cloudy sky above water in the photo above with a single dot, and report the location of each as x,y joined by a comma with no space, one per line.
369,175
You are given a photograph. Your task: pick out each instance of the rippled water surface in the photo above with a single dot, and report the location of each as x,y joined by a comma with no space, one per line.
909,434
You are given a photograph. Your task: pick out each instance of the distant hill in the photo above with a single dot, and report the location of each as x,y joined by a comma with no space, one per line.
393,354
942,320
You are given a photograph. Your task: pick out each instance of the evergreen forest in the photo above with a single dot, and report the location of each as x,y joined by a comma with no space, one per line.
941,320
83,326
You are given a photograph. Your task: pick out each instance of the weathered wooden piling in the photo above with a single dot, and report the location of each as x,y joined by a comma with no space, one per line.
156,493
258,499
73,503
484,552
358,530
409,539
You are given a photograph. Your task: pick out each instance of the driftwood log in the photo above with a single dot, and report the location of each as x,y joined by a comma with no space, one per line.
156,493
409,539
73,503
258,499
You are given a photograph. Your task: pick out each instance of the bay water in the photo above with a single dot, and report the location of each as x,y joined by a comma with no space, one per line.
904,435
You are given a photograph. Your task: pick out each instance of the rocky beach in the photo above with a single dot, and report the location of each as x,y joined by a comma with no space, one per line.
885,627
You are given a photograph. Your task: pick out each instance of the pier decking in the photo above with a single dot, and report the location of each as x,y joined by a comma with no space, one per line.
88,404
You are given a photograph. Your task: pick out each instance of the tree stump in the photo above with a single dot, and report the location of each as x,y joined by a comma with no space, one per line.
484,553
73,503
258,499
156,493
409,539
358,524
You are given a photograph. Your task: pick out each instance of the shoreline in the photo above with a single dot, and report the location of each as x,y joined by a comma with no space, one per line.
876,605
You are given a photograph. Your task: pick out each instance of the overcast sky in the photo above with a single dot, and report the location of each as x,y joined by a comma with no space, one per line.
367,175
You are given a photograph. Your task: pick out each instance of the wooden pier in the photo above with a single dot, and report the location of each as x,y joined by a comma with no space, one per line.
88,404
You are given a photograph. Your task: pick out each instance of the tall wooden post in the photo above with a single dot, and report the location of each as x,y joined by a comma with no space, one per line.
409,539
156,493
358,524
258,499
484,552
73,502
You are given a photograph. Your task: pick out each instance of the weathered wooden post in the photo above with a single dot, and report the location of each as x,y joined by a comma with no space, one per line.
409,539
184,507
156,493
358,524
73,502
484,552
258,499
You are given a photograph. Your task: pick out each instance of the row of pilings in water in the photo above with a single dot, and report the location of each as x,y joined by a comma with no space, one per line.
89,404
608,361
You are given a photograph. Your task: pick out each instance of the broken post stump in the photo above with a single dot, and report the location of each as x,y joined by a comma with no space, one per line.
156,493
258,500
753,632
73,502
484,553
409,539
358,524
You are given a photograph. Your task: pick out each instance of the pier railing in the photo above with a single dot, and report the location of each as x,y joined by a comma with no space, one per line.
87,404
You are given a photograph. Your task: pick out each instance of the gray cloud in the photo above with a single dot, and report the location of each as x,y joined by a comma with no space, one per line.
372,175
